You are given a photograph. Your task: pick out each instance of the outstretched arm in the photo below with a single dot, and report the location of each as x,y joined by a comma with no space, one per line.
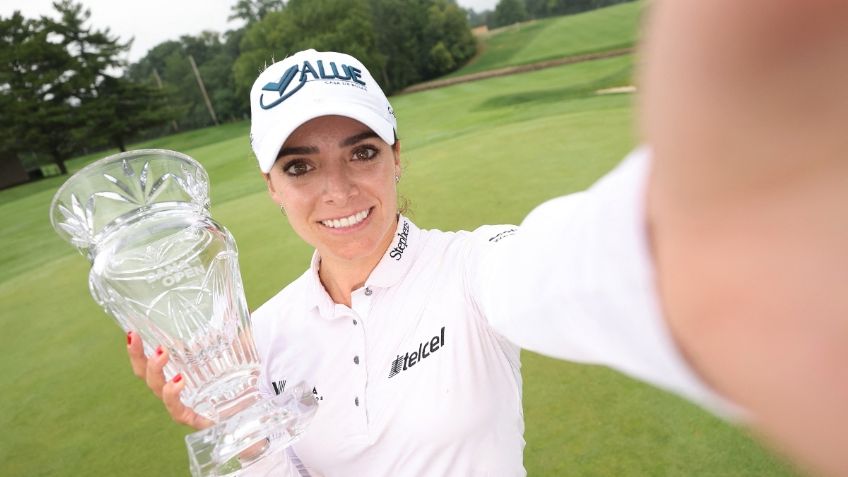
746,111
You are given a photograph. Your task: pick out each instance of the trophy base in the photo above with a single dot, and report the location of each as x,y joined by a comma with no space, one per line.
254,439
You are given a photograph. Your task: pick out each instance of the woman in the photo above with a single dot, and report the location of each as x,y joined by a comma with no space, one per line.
723,244
384,325
390,325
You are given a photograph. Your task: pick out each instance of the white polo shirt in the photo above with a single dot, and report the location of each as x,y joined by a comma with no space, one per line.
411,380
414,381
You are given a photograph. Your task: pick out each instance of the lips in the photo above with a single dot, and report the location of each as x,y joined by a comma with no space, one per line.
348,221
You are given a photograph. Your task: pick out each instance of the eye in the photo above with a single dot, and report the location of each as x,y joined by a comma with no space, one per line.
297,167
365,153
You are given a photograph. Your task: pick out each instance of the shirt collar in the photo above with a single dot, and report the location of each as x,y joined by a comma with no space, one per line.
394,265
399,257
319,297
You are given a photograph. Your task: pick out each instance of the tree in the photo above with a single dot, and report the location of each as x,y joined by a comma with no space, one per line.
331,25
398,40
420,40
215,55
399,30
52,69
41,89
568,7
59,90
124,108
508,12
538,8
91,54
167,62
251,11
21,59
447,39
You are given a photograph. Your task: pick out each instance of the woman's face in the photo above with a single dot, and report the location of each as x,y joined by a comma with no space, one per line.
336,180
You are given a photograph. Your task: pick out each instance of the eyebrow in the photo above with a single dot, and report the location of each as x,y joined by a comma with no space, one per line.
357,138
297,151
304,150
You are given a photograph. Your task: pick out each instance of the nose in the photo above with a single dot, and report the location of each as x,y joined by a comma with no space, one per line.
339,186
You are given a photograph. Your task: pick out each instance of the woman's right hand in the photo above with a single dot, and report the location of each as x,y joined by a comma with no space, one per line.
150,370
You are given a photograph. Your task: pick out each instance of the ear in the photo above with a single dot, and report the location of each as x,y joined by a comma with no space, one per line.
272,191
396,151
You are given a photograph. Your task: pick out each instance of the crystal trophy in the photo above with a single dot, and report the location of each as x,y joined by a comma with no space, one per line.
163,268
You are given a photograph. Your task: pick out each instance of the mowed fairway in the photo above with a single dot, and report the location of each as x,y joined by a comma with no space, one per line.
595,31
475,153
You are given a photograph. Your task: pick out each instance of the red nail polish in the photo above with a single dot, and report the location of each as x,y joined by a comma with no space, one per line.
178,378
159,350
129,338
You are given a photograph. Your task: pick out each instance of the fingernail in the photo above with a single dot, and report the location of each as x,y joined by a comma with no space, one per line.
129,338
178,378
159,350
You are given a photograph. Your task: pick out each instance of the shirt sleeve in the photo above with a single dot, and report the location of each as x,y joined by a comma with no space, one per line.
576,282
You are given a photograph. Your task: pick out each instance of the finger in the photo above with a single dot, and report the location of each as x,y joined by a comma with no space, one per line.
180,412
135,350
154,376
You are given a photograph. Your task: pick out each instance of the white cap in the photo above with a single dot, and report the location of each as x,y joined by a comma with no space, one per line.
310,84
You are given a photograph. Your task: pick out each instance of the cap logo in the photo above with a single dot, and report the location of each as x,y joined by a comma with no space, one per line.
348,75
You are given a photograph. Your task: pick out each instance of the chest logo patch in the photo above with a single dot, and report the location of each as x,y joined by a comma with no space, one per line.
425,350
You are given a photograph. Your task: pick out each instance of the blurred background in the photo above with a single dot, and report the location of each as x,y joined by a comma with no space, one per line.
501,105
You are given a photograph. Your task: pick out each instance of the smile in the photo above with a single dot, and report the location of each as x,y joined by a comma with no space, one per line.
349,221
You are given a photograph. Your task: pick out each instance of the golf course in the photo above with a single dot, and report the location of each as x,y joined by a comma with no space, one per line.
482,152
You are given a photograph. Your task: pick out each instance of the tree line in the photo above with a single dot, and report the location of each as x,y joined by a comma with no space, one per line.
508,12
400,41
59,91
65,89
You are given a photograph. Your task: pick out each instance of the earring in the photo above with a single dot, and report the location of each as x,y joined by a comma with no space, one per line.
283,210
397,179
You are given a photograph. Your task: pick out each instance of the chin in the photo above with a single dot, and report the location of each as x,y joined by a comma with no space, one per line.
357,244
356,249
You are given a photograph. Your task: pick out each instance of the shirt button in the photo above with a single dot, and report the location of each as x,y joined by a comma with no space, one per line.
356,360
368,291
356,401
354,322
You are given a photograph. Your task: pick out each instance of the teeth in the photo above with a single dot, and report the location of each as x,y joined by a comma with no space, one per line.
346,221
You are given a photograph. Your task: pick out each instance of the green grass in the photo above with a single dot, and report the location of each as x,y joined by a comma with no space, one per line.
598,30
484,152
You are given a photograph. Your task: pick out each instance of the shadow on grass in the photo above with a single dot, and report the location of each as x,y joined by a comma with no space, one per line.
619,77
